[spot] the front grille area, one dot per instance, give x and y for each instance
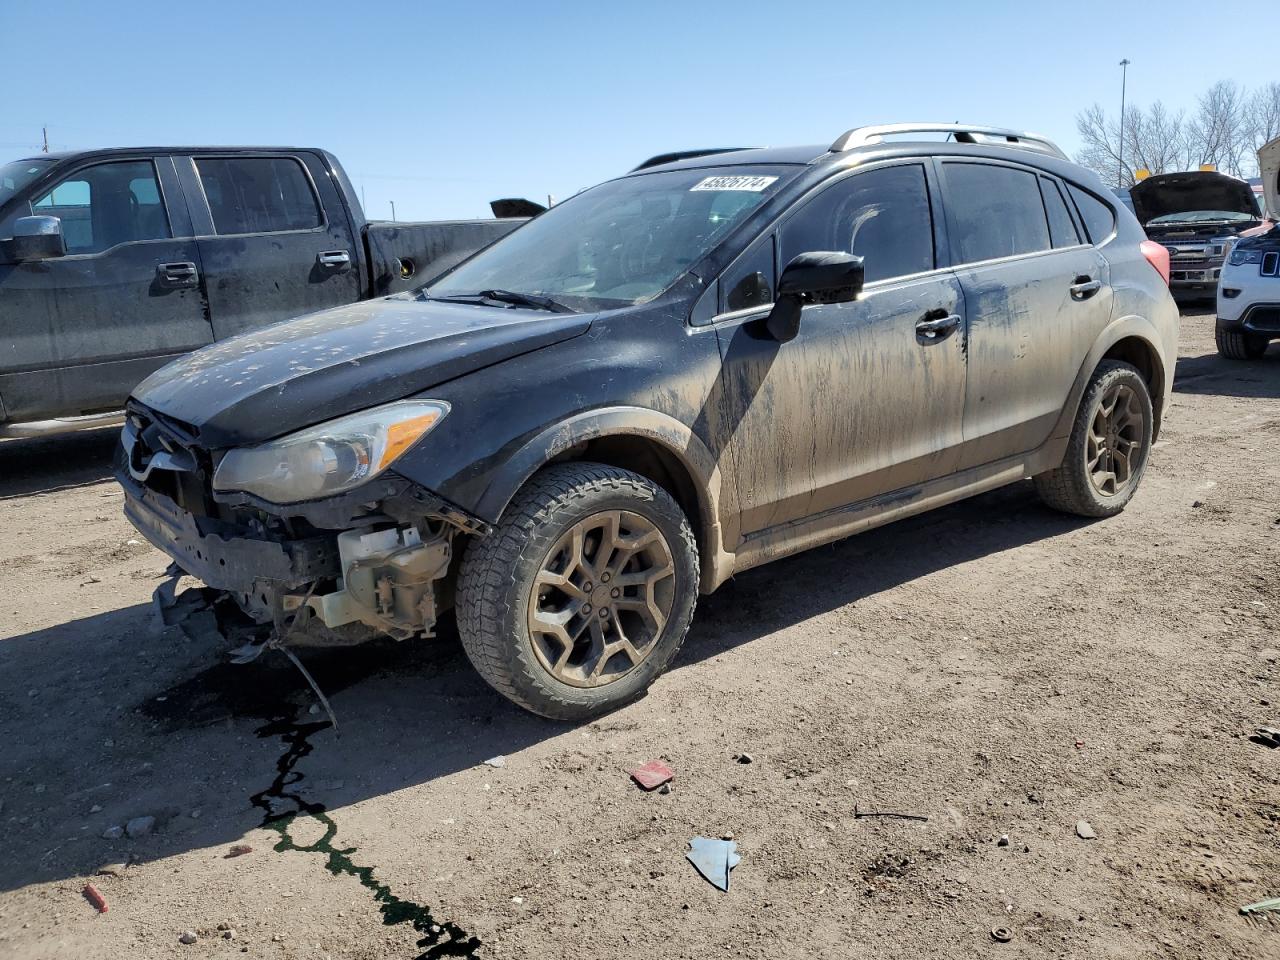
(1270, 264)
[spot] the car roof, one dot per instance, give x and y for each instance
(108, 152)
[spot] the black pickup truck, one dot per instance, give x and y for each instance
(114, 262)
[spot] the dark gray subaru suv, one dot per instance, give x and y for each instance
(699, 367)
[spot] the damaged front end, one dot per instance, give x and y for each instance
(374, 561)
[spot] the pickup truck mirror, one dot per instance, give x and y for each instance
(36, 238)
(818, 277)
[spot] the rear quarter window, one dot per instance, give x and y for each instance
(1099, 218)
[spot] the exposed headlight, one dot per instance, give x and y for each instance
(1246, 255)
(331, 458)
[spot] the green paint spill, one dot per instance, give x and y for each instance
(438, 939)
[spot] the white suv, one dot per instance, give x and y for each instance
(1249, 291)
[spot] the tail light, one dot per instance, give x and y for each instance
(1158, 256)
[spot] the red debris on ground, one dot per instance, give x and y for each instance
(652, 775)
(97, 899)
(239, 850)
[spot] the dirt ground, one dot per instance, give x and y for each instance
(994, 667)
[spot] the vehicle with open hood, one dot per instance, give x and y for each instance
(707, 364)
(1249, 293)
(1195, 215)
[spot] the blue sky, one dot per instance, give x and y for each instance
(442, 107)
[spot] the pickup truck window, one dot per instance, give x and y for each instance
(107, 204)
(621, 243)
(258, 194)
(14, 176)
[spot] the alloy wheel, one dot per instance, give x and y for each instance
(1115, 443)
(601, 598)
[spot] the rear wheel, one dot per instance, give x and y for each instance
(583, 594)
(1240, 346)
(1107, 452)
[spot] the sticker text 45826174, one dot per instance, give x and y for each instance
(749, 184)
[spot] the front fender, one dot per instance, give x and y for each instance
(660, 428)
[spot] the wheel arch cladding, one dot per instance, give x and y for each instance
(1133, 340)
(646, 442)
(1142, 355)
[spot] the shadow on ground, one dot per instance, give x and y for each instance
(47, 464)
(1216, 375)
(106, 712)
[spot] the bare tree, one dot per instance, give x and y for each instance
(1154, 140)
(1264, 114)
(1219, 133)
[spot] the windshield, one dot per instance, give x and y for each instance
(1204, 216)
(14, 176)
(621, 243)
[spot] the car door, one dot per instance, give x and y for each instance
(1034, 288)
(274, 237)
(868, 397)
(79, 332)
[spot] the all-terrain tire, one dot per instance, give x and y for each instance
(496, 580)
(1070, 488)
(1239, 346)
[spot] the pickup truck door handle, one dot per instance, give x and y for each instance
(1085, 287)
(936, 325)
(180, 274)
(334, 259)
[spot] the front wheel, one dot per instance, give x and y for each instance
(583, 593)
(1240, 346)
(1107, 452)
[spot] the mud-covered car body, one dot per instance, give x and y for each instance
(928, 387)
(1195, 215)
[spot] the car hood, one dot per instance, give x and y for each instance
(290, 375)
(1168, 193)
(1269, 167)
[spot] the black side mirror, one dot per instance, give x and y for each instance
(818, 277)
(36, 238)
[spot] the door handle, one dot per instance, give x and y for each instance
(334, 259)
(1085, 287)
(179, 274)
(936, 325)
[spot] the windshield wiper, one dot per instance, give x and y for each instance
(525, 300)
(503, 296)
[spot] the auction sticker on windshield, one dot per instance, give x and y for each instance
(750, 184)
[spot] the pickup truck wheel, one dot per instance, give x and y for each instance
(582, 595)
(1239, 346)
(1107, 452)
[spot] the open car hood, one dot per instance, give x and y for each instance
(1269, 166)
(290, 375)
(1168, 193)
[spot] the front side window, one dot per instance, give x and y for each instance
(258, 194)
(621, 243)
(105, 205)
(997, 212)
(882, 216)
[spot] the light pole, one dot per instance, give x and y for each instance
(393, 211)
(1124, 76)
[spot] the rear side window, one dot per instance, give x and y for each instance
(1062, 229)
(997, 212)
(1099, 219)
(882, 216)
(258, 194)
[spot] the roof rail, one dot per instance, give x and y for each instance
(961, 132)
(662, 158)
